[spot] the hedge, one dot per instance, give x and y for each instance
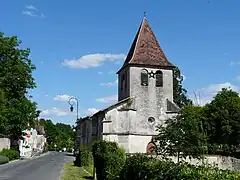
(140, 167)
(109, 160)
(11, 154)
(3, 159)
(83, 158)
(111, 164)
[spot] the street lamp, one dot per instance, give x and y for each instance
(71, 102)
(74, 128)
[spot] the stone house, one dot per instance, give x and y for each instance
(145, 98)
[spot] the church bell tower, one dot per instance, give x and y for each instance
(147, 77)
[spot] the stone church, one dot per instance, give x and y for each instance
(145, 98)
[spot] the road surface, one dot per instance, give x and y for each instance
(46, 167)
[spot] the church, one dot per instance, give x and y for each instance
(145, 98)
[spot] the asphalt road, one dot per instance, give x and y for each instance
(46, 167)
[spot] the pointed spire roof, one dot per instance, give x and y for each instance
(145, 49)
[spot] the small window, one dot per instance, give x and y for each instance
(144, 77)
(159, 79)
(151, 120)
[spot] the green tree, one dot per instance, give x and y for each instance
(65, 128)
(3, 119)
(183, 135)
(179, 93)
(15, 81)
(50, 133)
(222, 115)
(60, 134)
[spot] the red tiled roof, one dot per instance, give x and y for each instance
(145, 49)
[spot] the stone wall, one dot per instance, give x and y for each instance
(4, 143)
(150, 101)
(222, 162)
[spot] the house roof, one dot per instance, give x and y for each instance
(145, 49)
(104, 110)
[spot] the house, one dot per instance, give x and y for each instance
(145, 98)
(32, 142)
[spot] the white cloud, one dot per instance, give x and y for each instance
(63, 97)
(92, 111)
(238, 78)
(53, 112)
(92, 60)
(109, 84)
(206, 94)
(233, 63)
(29, 13)
(184, 77)
(108, 100)
(100, 73)
(32, 11)
(31, 7)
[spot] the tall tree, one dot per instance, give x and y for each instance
(179, 93)
(15, 80)
(223, 117)
(60, 134)
(3, 119)
(51, 132)
(183, 135)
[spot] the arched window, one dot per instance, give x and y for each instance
(151, 148)
(159, 78)
(144, 77)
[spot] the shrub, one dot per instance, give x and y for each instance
(109, 160)
(83, 157)
(139, 167)
(3, 159)
(10, 153)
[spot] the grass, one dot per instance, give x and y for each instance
(71, 172)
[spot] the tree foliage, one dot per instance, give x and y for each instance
(17, 110)
(223, 117)
(184, 134)
(195, 131)
(60, 134)
(179, 93)
(2, 109)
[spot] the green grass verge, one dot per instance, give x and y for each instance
(71, 172)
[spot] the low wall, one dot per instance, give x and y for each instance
(4, 143)
(222, 162)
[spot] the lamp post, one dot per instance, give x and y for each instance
(72, 103)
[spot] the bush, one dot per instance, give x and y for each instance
(11, 154)
(83, 157)
(109, 160)
(3, 159)
(139, 167)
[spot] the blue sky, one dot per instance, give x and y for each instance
(201, 37)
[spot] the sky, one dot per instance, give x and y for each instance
(77, 46)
